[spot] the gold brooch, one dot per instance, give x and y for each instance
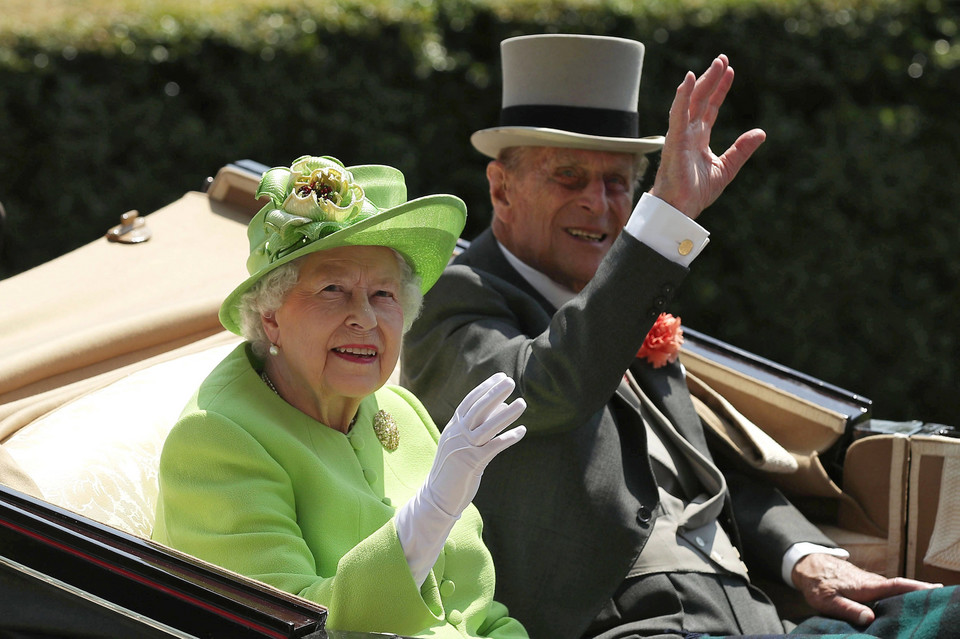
(385, 426)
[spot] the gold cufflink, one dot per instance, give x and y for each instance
(685, 247)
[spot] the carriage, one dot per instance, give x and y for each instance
(101, 348)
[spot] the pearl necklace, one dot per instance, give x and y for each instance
(266, 380)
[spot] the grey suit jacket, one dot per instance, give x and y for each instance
(568, 509)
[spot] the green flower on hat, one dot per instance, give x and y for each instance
(313, 198)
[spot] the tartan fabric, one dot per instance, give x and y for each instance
(923, 614)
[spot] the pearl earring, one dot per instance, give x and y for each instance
(274, 350)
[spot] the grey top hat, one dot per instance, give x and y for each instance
(573, 91)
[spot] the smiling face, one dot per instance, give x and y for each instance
(338, 331)
(559, 210)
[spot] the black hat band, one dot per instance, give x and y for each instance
(610, 123)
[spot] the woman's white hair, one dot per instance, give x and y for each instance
(267, 295)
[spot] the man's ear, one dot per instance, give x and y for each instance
(499, 192)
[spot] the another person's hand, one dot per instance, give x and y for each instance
(690, 176)
(837, 588)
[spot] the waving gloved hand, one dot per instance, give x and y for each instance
(472, 438)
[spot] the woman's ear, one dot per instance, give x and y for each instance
(270, 326)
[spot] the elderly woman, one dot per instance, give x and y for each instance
(294, 464)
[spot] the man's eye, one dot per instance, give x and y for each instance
(568, 177)
(331, 288)
(389, 294)
(617, 184)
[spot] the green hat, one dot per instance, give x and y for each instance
(319, 204)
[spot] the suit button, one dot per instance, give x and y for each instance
(455, 617)
(660, 302)
(668, 289)
(370, 475)
(643, 515)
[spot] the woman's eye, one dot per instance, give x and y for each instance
(385, 294)
(331, 288)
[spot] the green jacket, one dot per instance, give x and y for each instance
(250, 483)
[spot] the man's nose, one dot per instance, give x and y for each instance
(594, 196)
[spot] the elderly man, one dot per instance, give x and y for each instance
(610, 519)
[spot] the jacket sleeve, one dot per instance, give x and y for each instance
(495, 620)
(567, 364)
(768, 523)
(224, 499)
(499, 625)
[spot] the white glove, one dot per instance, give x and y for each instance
(470, 440)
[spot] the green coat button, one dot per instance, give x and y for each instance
(447, 588)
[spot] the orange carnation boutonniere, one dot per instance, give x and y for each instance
(663, 342)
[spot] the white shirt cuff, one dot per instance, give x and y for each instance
(800, 550)
(666, 230)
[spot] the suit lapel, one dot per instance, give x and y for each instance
(666, 386)
(667, 389)
(484, 254)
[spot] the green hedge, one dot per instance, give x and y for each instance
(835, 251)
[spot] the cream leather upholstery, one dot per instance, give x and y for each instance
(97, 455)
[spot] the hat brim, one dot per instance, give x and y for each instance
(424, 231)
(491, 141)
